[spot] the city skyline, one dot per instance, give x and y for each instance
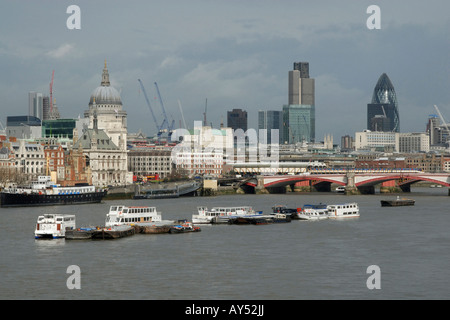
(234, 54)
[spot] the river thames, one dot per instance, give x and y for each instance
(326, 259)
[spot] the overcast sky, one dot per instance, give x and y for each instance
(236, 54)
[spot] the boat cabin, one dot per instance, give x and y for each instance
(119, 215)
(53, 225)
(346, 210)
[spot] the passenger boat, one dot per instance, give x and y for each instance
(313, 212)
(398, 202)
(44, 192)
(123, 215)
(220, 214)
(53, 226)
(340, 189)
(184, 226)
(345, 210)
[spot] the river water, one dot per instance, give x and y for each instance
(299, 260)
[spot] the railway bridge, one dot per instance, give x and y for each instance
(353, 181)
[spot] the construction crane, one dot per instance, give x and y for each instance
(204, 113)
(169, 127)
(51, 93)
(443, 122)
(182, 115)
(159, 127)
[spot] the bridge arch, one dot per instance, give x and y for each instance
(412, 178)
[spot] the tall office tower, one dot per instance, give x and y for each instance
(301, 86)
(35, 104)
(382, 112)
(45, 108)
(269, 120)
(237, 119)
(299, 119)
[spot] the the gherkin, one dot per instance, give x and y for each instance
(382, 112)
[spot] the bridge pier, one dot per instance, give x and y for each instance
(302, 186)
(260, 189)
(391, 187)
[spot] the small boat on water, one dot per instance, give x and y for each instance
(221, 214)
(288, 211)
(53, 226)
(345, 210)
(398, 202)
(184, 226)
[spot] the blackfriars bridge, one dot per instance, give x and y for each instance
(354, 181)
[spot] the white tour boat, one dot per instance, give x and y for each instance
(313, 212)
(345, 210)
(53, 226)
(123, 215)
(221, 214)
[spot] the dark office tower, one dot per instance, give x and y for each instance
(382, 112)
(45, 108)
(237, 119)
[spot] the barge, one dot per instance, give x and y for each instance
(398, 202)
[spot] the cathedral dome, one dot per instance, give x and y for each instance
(105, 94)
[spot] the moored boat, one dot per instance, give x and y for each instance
(124, 215)
(53, 226)
(44, 192)
(345, 210)
(313, 212)
(184, 226)
(80, 233)
(221, 214)
(261, 219)
(398, 202)
(284, 209)
(113, 232)
(152, 229)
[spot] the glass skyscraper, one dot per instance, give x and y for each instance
(382, 112)
(270, 120)
(299, 123)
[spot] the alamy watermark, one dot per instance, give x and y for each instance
(74, 20)
(236, 146)
(374, 21)
(74, 280)
(374, 280)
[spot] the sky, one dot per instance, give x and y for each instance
(232, 54)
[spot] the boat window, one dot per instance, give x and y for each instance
(113, 208)
(125, 210)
